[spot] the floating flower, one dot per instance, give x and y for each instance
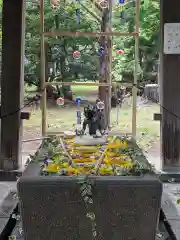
(72, 171)
(52, 168)
(84, 160)
(117, 144)
(127, 164)
(106, 171)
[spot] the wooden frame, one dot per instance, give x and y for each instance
(136, 67)
(89, 34)
(43, 70)
(79, 84)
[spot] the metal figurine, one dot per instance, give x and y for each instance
(94, 118)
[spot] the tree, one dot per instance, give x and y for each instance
(59, 51)
(123, 66)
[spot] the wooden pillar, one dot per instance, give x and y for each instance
(12, 84)
(170, 92)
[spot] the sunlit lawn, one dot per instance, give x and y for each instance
(64, 118)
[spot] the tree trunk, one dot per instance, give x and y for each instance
(105, 92)
(102, 90)
(66, 90)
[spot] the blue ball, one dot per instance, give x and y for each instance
(78, 100)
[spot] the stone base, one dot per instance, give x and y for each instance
(52, 207)
(164, 231)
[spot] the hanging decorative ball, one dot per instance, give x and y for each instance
(101, 51)
(78, 18)
(78, 100)
(60, 101)
(122, 2)
(120, 51)
(54, 3)
(76, 54)
(100, 105)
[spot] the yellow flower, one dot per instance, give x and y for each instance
(72, 171)
(117, 144)
(111, 154)
(64, 165)
(107, 159)
(127, 164)
(83, 170)
(84, 160)
(52, 168)
(117, 161)
(105, 171)
(86, 154)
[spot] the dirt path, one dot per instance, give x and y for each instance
(31, 146)
(153, 155)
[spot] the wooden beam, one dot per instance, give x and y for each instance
(25, 115)
(136, 69)
(78, 84)
(12, 83)
(88, 34)
(157, 117)
(43, 69)
(169, 92)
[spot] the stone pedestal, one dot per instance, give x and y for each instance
(124, 207)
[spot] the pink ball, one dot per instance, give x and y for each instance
(60, 101)
(121, 51)
(76, 54)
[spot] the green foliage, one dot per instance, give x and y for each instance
(148, 41)
(59, 50)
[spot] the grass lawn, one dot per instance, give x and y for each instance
(64, 118)
(78, 90)
(84, 90)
